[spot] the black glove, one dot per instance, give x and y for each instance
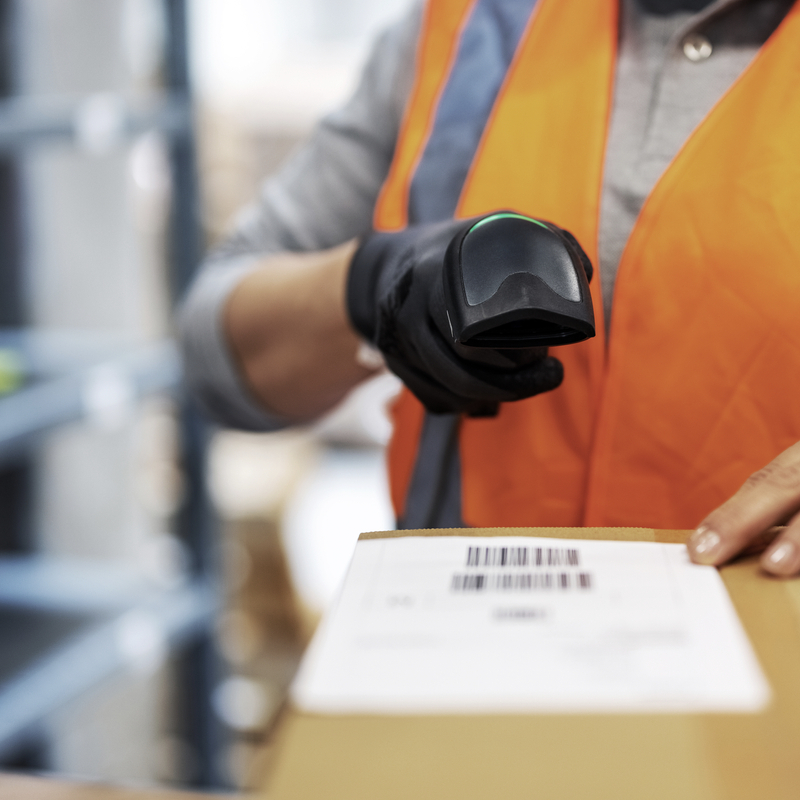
(396, 300)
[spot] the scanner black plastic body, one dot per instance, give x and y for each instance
(514, 282)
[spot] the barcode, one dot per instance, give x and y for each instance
(521, 581)
(522, 557)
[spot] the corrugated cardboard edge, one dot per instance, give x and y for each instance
(615, 534)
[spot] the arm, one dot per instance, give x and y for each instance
(249, 327)
(769, 497)
(288, 330)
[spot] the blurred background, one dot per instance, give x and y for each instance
(159, 579)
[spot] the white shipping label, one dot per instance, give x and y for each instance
(521, 624)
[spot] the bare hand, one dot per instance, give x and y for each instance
(746, 522)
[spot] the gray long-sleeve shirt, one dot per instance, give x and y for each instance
(671, 70)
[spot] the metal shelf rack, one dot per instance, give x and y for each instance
(69, 377)
(75, 623)
(67, 624)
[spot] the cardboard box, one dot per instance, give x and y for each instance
(567, 757)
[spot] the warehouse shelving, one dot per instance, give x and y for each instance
(69, 377)
(38, 120)
(68, 623)
(74, 623)
(64, 620)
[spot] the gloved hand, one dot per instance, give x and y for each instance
(396, 300)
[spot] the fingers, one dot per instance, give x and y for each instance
(463, 379)
(544, 376)
(783, 556)
(436, 397)
(762, 541)
(767, 498)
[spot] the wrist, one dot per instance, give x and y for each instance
(361, 283)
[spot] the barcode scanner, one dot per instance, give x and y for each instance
(513, 282)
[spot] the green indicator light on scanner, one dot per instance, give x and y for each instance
(505, 215)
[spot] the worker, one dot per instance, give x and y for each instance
(662, 136)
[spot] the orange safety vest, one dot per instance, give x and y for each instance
(698, 384)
